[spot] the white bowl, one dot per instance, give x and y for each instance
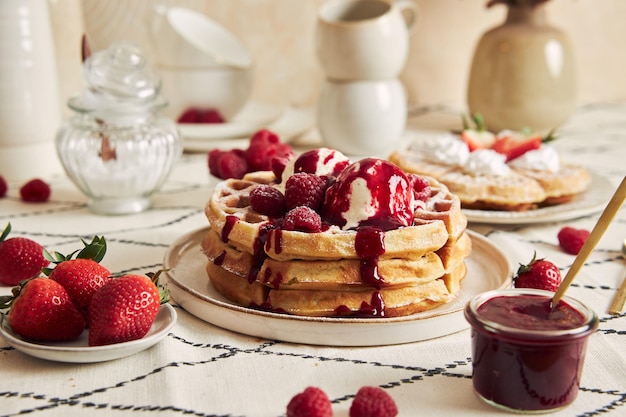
(362, 117)
(184, 38)
(224, 89)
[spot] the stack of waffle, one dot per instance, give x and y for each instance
(253, 262)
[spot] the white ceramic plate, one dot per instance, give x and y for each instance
(488, 269)
(291, 123)
(78, 351)
(591, 201)
(252, 117)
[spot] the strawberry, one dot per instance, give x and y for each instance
(477, 137)
(539, 274)
(199, 115)
(82, 276)
(123, 309)
(20, 258)
(515, 144)
(572, 240)
(41, 310)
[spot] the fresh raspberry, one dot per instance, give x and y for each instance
(3, 187)
(189, 116)
(572, 240)
(312, 402)
(211, 116)
(264, 146)
(35, 191)
(373, 402)
(303, 219)
(421, 187)
(267, 200)
(227, 164)
(303, 189)
(197, 115)
(212, 158)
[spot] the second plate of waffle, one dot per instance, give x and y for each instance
(487, 268)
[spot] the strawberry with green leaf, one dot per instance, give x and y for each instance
(20, 258)
(40, 309)
(124, 309)
(539, 274)
(477, 136)
(80, 272)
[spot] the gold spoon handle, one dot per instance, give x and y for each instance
(607, 215)
(617, 306)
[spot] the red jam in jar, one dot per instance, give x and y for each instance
(527, 357)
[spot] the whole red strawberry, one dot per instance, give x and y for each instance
(41, 310)
(123, 309)
(572, 240)
(20, 258)
(539, 274)
(312, 402)
(82, 276)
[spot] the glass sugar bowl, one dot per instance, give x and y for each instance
(116, 148)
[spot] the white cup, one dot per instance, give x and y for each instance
(223, 89)
(364, 39)
(185, 38)
(362, 117)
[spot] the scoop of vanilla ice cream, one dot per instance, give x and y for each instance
(320, 161)
(372, 192)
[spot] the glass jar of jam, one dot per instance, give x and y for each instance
(526, 356)
(117, 149)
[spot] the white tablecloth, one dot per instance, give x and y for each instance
(203, 370)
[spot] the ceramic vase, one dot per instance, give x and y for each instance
(523, 72)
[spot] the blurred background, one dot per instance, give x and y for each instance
(280, 34)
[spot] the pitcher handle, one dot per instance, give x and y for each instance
(410, 12)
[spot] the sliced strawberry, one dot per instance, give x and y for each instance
(478, 139)
(515, 144)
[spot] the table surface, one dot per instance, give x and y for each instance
(203, 370)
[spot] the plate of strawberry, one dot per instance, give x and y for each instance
(70, 308)
(79, 351)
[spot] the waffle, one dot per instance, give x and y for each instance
(561, 186)
(228, 212)
(343, 274)
(390, 301)
(519, 190)
(254, 263)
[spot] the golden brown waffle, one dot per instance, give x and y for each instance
(229, 214)
(359, 301)
(518, 191)
(561, 186)
(335, 275)
(254, 263)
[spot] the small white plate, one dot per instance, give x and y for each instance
(593, 200)
(78, 351)
(252, 117)
(291, 123)
(187, 281)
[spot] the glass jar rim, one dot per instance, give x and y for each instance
(477, 321)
